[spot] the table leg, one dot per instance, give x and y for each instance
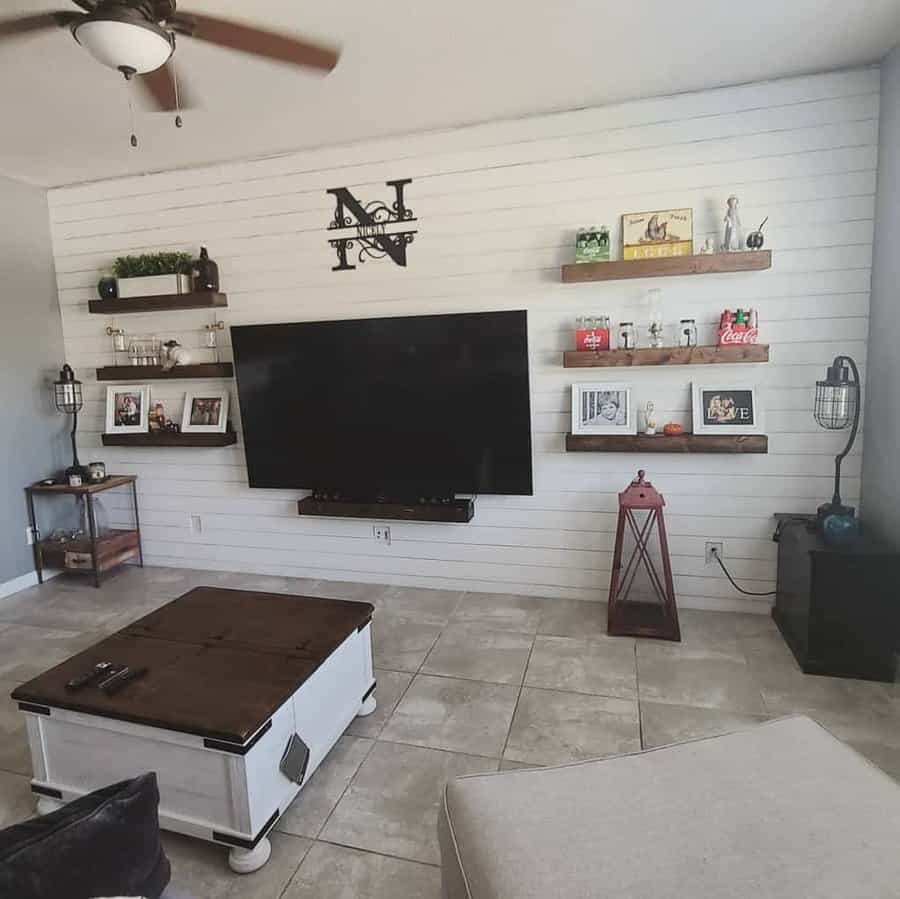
(92, 527)
(137, 523)
(36, 537)
(246, 861)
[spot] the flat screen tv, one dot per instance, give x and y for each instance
(388, 408)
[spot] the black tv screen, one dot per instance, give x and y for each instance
(394, 408)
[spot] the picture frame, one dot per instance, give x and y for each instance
(726, 409)
(658, 234)
(127, 408)
(205, 413)
(603, 408)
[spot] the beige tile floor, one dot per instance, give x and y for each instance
(466, 683)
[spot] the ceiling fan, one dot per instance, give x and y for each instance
(137, 37)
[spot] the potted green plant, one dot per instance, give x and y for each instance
(153, 274)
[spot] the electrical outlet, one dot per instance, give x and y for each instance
(29, 536)
(714, 548)
(196, 524)
(382, 533)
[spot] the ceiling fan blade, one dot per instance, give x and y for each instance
(257, 41)
(41, 22)
(159, 86)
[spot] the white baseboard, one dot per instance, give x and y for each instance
(8, 588)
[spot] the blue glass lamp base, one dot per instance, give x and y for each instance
(837, 523)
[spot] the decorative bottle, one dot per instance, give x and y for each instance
(206, 273)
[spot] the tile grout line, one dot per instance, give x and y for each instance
(294, 873)
(518, 697)
(344, 791)
(637, 693)
(399, 858)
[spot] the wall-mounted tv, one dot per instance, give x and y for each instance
(395, 408)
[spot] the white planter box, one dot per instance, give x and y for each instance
(153, 286)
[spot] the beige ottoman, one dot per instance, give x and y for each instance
(782, 811)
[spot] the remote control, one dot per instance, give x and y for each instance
(120, 679)
(94, 674)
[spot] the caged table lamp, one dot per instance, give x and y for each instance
(837, 408)
(69, 399)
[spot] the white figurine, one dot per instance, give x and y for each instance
(650, 417)
(174, 354)
(707, 249)
(734, 235)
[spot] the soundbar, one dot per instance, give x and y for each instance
(457, 510)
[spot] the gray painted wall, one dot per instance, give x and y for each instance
(32, 436)
(881, 471)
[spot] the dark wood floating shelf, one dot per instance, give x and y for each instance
(674, 355)
(682, 443)
(166, 438)
(118, 306)
(459, 511)
(748, 261)
(157, 373)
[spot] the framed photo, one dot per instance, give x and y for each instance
(205, 413)
(659, 234)
(726, 409)
(603, 409)
(127, 409)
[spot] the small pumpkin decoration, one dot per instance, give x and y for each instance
(755, 239)
(672, 429)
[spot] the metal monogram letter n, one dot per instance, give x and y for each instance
(370, 223)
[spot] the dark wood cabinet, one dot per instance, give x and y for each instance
(838, 607)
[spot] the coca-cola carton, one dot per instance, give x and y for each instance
(738, 328)
(592, 339)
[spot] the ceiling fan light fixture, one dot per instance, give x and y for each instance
(138, 47)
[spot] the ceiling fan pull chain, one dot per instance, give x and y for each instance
(178, 121)
(134, 140)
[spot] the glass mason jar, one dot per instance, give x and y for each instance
(627, 336)
(687, 332)
(101, 517)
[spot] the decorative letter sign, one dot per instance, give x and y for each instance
(368, 225)
(652, 611)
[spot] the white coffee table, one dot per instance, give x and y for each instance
(233, 678)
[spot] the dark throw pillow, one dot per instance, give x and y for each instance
(104, 844)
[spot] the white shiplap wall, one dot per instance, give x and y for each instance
(497, 207)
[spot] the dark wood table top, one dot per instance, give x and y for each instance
(220, 661)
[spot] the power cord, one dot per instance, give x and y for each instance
(715, 554)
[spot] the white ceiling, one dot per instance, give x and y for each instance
(408, 65)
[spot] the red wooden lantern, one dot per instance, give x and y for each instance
(652, 611)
